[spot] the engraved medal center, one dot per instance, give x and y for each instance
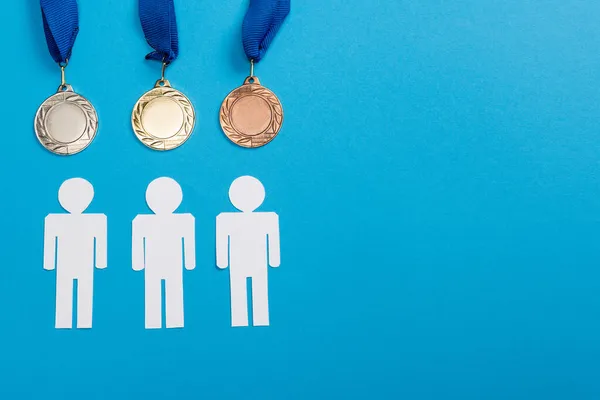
(251, 115)
(66, 122)
(162, 118)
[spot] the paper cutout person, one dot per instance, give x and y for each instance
(69, 241)
(157, 249)
(244, 242)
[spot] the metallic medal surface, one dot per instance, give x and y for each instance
(251, 115)
(66, 123)
(163, 118)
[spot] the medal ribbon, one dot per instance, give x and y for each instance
(261, 23)
(160, 28)
(61, 25)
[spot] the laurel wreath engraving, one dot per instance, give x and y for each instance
(174, 141)
(66, 148)
(240, 138)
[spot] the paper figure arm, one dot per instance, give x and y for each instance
(49, 243)
(222, 242)
(189, 244)
(137, 246)
(101, 240)
(274, 251)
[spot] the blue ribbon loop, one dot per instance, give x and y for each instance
(261, 23)
(61, 26)
(160, 28)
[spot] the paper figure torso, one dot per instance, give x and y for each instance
(248, 239)
(76, 235)
(163, 236)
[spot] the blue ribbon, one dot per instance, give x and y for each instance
(160, 28)
(61, 25)
(261, 23)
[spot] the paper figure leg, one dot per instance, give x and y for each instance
(174, 302)
(85, 296)
(153, 303)
(64, 302)
(239, 301)
(260, 300)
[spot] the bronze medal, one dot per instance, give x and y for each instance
(251, 115)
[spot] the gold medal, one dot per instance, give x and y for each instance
(66, 122)
(163, 118)
(251, 115)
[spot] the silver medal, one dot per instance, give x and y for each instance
(66, 122)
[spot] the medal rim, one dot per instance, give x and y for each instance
(155, 142)
(225, 113)
(41, 132)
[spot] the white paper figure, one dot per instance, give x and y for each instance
(244, 242)
(69, 241)
(157, 248)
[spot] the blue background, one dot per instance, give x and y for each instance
(437, 182)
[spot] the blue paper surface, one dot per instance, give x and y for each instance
(436, 179)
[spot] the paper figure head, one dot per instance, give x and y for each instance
(164, 195)
(247, 193)
(75, 195)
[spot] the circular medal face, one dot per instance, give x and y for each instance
(163, 118)
(251, 115)
(66, 123)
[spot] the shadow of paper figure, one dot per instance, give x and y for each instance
(69, 248)
(247, 242)
(157, 249)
